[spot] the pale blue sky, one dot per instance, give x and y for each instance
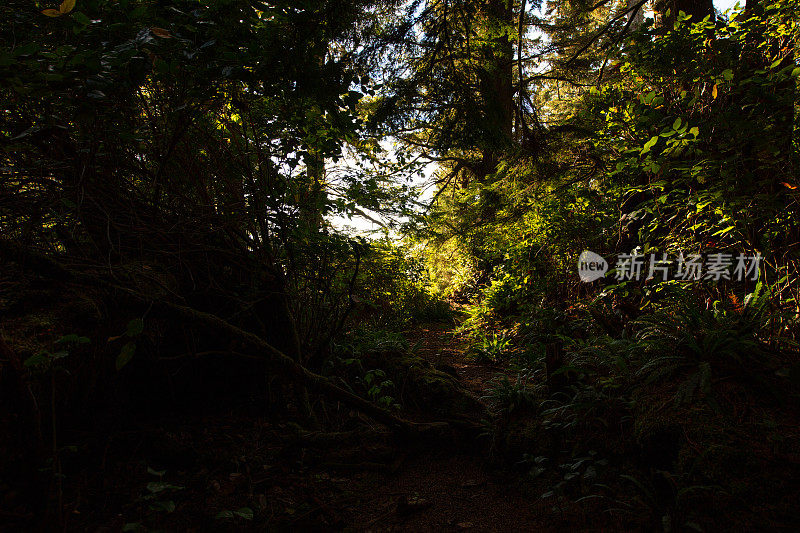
(724, 5)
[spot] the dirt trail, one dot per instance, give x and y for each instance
(449, 492)
(438, 343)
(443, 490)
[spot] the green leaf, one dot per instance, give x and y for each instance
(166, 506)
(677, 124)
(727, 74)
(36, 360)
(154, 487)
(125, 355)
(81, 18)
(244, 512)
(61, 354)
(135, 327)
(724, 231)
(649, 144)
(27, 49)
(73, 339)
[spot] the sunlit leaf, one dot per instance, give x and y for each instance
(649, 144)
(52, 12)
(66, 6)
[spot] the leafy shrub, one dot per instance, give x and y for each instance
(689, 342)
(506, 396)
(365, 339)
(492, 348)
(396, 287)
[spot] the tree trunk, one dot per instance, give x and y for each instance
(496, 82)
(666, 11)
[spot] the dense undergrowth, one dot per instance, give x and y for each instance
(169, 175)
(670, 399)
(684, 407)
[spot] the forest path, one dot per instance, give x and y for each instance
(447, 489)
(438, 343)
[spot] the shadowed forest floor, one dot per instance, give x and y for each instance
(236, 468)
(230, 461)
